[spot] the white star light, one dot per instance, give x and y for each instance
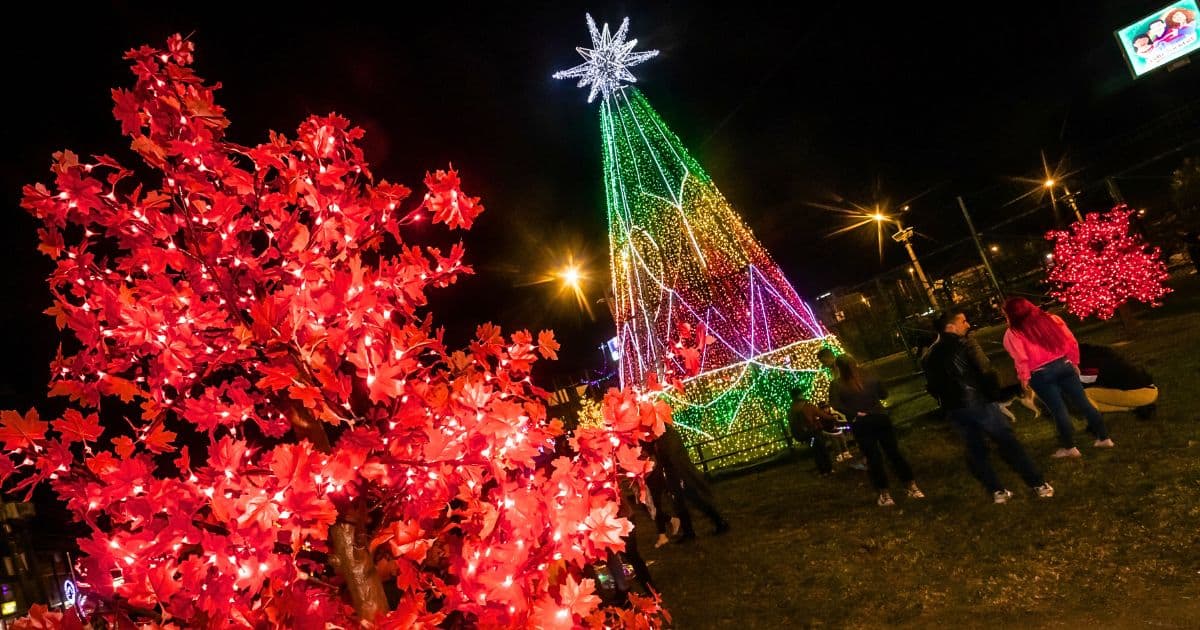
(607, 63)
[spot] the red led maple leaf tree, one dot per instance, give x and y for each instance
(1100, 265)
(287, 440)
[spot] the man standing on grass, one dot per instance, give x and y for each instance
(961, 377)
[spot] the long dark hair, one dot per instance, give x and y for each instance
(1033, 323)
(848, 372)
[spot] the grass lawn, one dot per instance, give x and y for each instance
(1117, 547)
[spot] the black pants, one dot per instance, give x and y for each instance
(820, 449)
(656, 485)
(877, 438)
(683, 495)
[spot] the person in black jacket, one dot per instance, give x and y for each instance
(686, 484)
(960, 377)
(859, 397)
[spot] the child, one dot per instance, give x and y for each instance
(806, 422)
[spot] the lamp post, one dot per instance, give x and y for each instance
(1050, 183)
(904, 236)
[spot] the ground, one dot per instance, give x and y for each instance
(1118, 545)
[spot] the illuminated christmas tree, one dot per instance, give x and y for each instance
(685, 266)
(1099, 265)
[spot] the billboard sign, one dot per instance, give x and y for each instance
(1161, 37)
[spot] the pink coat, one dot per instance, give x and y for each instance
(1029, 356)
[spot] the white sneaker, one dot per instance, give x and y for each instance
(1105, 443)
(1070, 453)
(914, 492)
(885, 500)
(1044, 491)
(1001, 496)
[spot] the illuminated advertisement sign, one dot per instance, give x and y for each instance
(1160, 38)
(614, 348)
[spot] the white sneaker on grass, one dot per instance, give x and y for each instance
(1001, 496)
(1105, 443)
(1044, 491)
(885, 500)
(1069, 453)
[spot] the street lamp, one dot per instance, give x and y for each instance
(904, 236)
(570, 277)
(865, 216)
(1050, 184)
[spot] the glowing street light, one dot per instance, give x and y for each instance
(570, 277)
(1051, 179)
(1051, 183)
(865, 216)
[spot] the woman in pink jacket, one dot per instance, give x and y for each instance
(1047, 359)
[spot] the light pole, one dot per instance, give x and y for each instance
(1050, 183)
(904, 236)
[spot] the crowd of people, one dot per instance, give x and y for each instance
(1050, 365)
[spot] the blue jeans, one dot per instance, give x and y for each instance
(1057, 383)
(978, 423)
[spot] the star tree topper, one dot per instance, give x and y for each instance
(607, 63)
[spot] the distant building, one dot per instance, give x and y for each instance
(28, 575)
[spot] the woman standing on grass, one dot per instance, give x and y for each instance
(859, 397)
(1047, 359)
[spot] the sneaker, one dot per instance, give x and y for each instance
(1105, 443)
(1070, 453)
(1001, 496)
(673, 527)
(663, 539)
(914, 492)
(885, 500)
(1044, 491)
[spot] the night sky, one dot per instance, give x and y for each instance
(784, 104)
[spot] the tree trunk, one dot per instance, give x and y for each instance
(306, 427)
(1128, 322)
(352, 559)
(348, 540)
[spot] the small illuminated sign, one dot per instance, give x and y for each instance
(70, 593)
(8, 608)
(614, 349)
